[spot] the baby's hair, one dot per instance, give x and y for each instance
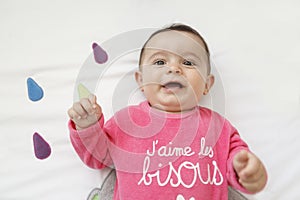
(178, 27)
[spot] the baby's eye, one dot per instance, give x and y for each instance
(188, 63)
(159, 62)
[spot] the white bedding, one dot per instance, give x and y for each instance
(255, 49)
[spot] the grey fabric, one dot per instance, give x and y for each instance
(107, 189)
(235, 195)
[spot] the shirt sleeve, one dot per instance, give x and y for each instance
(236, 145)
(91, 144)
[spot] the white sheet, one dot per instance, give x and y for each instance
(255, 47)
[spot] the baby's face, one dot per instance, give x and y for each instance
(174, 71)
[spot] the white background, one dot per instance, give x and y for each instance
(255, 47)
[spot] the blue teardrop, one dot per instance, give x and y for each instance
(35, 92)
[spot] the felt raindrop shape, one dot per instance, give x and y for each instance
(42, 149)
(83, 92)
(100, 54)
(35, 92)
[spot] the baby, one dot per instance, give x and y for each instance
(168, 147)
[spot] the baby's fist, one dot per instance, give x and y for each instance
(250, 170)
(85, 112)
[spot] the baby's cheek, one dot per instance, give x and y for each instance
(198, 87)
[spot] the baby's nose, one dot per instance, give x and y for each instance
(174, 69)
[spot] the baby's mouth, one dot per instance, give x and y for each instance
(172, 85)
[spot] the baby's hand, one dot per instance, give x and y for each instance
(85, 112)
(250, 170)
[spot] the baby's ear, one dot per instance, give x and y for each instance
(210, 79)
(139, 79)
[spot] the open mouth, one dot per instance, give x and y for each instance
(173, 85)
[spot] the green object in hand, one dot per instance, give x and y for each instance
(83, 92)
(95, 197)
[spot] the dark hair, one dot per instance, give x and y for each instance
(178, 27)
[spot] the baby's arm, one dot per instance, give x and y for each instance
(85, 112)
(250, 170)
(87, 134)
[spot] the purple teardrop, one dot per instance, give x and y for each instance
(42, 149)
(100, 54)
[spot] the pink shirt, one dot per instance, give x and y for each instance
(161, 155)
